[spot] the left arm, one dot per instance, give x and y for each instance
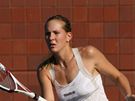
(105, 67)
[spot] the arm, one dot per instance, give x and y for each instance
(46, 84)
(103, 66)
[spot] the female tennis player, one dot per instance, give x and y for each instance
(74, 74)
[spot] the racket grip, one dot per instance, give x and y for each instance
(41, 99)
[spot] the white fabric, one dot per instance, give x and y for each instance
(84, 87)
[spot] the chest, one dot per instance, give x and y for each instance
(67, 75)
(81, 86)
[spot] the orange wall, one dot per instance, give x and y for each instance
(107, 24)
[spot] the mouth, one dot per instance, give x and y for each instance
(52, 45)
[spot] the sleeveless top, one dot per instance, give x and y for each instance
(84, 86)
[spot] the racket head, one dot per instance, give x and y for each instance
(2, 68)
(9, 84)
(6, 81)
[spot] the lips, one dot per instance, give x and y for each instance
(52, 45)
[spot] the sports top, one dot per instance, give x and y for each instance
(84, 87)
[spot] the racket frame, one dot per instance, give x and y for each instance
(25, 90)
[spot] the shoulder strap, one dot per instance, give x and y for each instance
(80, 64)
(82, 67)
(52, 72)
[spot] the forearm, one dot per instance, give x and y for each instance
(123, 84)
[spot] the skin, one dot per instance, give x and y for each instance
(58, 41)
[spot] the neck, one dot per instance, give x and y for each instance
(64, 57)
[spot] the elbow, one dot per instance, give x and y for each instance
(121, 79)
(118, 78)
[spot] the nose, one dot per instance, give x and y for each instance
(52, 36)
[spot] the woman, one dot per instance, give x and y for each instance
(73, 74)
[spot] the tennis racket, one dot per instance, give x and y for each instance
(10, 84)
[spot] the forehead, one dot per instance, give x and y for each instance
(55, 24)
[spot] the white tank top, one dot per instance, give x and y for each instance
(84, 87)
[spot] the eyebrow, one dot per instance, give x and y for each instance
(55, 31)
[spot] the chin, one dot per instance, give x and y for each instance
(54, 50)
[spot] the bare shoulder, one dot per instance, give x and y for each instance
(88, 51)
(44, 67)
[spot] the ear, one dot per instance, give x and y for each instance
(69, 36)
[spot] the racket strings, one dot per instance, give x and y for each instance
(6, 81)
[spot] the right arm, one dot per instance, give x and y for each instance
(46, 84)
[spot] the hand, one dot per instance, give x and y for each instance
(130, 98)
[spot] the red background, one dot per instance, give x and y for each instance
(109, 25)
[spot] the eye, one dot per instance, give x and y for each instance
(47, 33)
(56, 32)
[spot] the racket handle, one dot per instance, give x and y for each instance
(41, 99)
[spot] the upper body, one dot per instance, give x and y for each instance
(58, 36)
(75, 90)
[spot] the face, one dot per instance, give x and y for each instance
(56, 37)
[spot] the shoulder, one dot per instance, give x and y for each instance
(43, 70)
(88, 51)
(45, 66)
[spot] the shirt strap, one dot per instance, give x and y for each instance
(52, 72)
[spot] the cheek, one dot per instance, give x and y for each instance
(62, 38)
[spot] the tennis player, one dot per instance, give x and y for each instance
(74, 74)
